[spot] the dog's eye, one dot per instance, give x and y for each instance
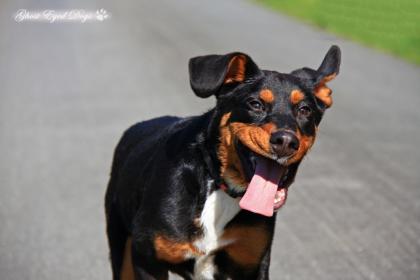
(255, 105)
(304, 111)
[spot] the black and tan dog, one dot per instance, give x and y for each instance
(196, 195)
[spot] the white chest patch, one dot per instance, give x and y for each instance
(218, 210)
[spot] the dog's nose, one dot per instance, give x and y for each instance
(284, 143)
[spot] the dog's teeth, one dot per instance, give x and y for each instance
(276, 198)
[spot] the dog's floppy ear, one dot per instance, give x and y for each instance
(208, 73)
(327, 71)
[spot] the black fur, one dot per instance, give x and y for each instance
(161, 167)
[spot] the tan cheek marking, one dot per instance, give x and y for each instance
(225, 118)
(249, 244)
(296, 96)
(267, 96)
(230, 165)
(236, 69)
(305, 143)
(172, 251)
(255, 138)
(269, 127)
(127, 271)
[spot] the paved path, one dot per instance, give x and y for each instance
(67, 91)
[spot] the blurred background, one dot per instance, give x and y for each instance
(69, 90)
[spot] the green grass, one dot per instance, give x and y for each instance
(389, 25)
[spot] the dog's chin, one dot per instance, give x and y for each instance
(249, 159)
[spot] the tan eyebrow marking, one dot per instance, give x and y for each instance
(296, 96)
(267, 96)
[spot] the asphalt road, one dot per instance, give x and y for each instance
(67, 91)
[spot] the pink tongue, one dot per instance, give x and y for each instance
(261, 191)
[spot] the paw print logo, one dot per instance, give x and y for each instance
(102, 15)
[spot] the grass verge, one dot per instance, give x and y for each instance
(390, 25)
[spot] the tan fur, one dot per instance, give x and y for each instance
(296, 96)
(173, 251)
(269, 127)
(249, 244)
(323, 93)
(236, 69)
(329, 78)
(267, 96)
(305, 143)
(255, 138)
(127, 271)
(230, 163)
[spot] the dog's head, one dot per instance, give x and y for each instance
(267, 120)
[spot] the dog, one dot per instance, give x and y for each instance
(198, 196)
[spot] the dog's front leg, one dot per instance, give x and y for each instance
(263, 271)
(145, 266)
(142, 274)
